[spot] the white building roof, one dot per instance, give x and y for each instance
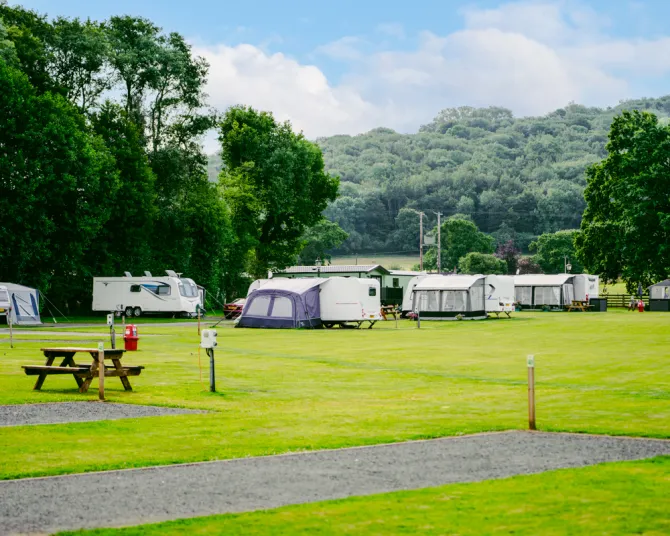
(448, 282)
(541, 280)
(299, 284)
(333, 269)
(406, 272)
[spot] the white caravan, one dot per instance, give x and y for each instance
(499, 294)
(350, 299)
(5, 304)
(586, 286)
(147, 294)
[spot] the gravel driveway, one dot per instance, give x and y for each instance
(65, 412)
(119, 498)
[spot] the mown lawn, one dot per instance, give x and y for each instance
(612, 499)
(283, 391)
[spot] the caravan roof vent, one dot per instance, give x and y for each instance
(147, 273)
(127, 274)
(171, 273)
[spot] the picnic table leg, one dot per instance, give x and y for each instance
(124, 378)
(69, 362)
(92, 374)
(43, 376)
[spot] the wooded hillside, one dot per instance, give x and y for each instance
(515, 177)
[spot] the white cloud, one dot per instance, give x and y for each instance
(245, 74)
(392, 29)
(531, 57)
(345, 48)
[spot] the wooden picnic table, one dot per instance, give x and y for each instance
(389, 310)
(579, 305)
(83, 374)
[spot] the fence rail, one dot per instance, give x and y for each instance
(623, 300)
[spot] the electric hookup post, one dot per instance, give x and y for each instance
(112, 331)
(208, 342)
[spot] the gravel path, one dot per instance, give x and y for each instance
(118, 498)
(65, 412)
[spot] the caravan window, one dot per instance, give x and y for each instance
(188, 288)
(160, 289)
(372, 291)
(259, 306)
(282, 307)
(135, 288)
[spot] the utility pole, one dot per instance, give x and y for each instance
(439, 243)
(421, 241)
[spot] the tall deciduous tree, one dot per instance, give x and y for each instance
(55, 178)
(554, 250)
(79, 52)
(626, 225)
(275, 184)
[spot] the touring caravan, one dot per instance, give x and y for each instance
(348, 299)
(499, 294)
(312, 302)
(136, 296)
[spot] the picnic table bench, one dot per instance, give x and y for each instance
(578, 305)
(83, 374)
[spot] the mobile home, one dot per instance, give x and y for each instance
(450, 297)
(312, 303)
(135, 296)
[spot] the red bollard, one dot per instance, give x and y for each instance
(640, 306)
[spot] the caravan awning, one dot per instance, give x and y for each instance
(448, 282)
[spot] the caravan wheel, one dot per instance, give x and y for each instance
(128, 311)
(137, 311)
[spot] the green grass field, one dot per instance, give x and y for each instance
(613, 499)
(287, 391)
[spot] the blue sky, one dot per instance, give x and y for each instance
(348, 66)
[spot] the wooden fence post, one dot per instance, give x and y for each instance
(531, 392)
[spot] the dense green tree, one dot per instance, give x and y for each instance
(459, 237)
(126, 242)
(79, 52)
(275, 184)
(319, 240)
(553, 250)
(55, 179)
(7, 48)
(481, 263)
(626, 226)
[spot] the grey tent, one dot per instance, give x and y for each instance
(25, 304)
(283, 303)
